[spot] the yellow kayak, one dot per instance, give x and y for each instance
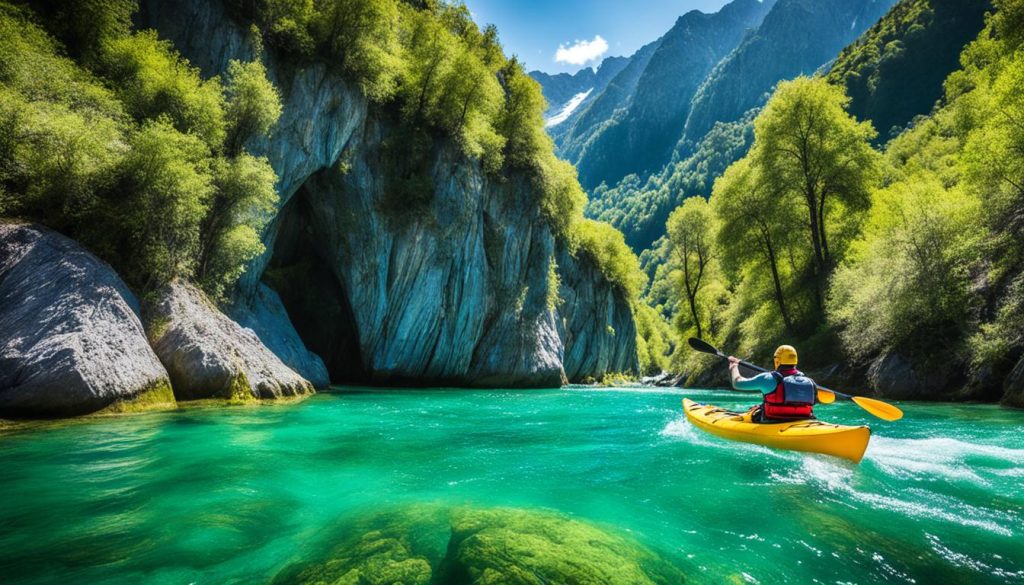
(803, 435)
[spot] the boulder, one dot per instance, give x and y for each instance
(71, 341)
(895, 375)
(520, 547)
(210, 356)
(427, 543)
(267, 317)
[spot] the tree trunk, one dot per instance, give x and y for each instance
(776, 280)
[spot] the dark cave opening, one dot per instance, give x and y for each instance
(314, 297)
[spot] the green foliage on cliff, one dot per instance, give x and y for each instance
(606, 246)
(445, 76)
(150, 174)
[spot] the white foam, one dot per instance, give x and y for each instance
(838, 478)
(942, 459)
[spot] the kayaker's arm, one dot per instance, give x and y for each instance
(761, 383)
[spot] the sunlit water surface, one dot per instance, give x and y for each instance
(235, 494)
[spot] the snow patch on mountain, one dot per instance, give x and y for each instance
(567, 110)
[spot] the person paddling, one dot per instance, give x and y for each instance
(788, 393)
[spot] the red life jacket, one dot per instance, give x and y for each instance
(778, 405)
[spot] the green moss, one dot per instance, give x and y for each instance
(156, 327)
(391, 546)
(554, 284)
(429, 544)
(157, 396)
(617, 379)
(511, 547)
(239, 391)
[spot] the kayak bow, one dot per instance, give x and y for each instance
(811, 436)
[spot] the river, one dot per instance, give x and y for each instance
(215, 495)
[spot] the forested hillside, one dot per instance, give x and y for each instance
(795, 37)
(906, 263)
(639, 207)
(895, 70)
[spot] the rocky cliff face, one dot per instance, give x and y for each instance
(443, 279)
(70, 337)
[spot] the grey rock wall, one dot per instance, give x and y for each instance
(71, 341)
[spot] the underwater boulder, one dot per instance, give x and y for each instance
(513, 547)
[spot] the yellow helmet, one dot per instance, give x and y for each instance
(785, 355)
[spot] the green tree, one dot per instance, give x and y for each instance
(811, 154)
(907, 281)
(243, 201)
(152, 80)
(754, 231)
(521, 120)
(429, 56)
(84, 25)
(690, 230)
(167, 185)
(362, 35)
(252, 104)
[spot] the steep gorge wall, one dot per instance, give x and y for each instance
(444, 283)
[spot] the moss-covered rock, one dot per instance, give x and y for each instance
(392, 546)
(375, 558)
(511, 547)
(158, 396)
(428, 544)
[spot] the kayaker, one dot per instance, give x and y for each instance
(788, 393)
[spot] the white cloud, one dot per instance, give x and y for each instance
(581, 52)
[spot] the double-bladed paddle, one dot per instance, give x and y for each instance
(882, 410)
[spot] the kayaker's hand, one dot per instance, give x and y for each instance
(734, 362)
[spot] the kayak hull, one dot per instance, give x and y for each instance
(811, 436)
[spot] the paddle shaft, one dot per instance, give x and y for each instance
(705, 347)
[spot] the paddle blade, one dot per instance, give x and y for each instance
(882, 410)
(826, 396)
(703, 346)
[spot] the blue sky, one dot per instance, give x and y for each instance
(535, 29)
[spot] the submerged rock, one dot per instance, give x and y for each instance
(516, 547)
(473, 546)
(71, 341)
(398, 546)
(210, 356)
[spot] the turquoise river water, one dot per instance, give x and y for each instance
(233, 495)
